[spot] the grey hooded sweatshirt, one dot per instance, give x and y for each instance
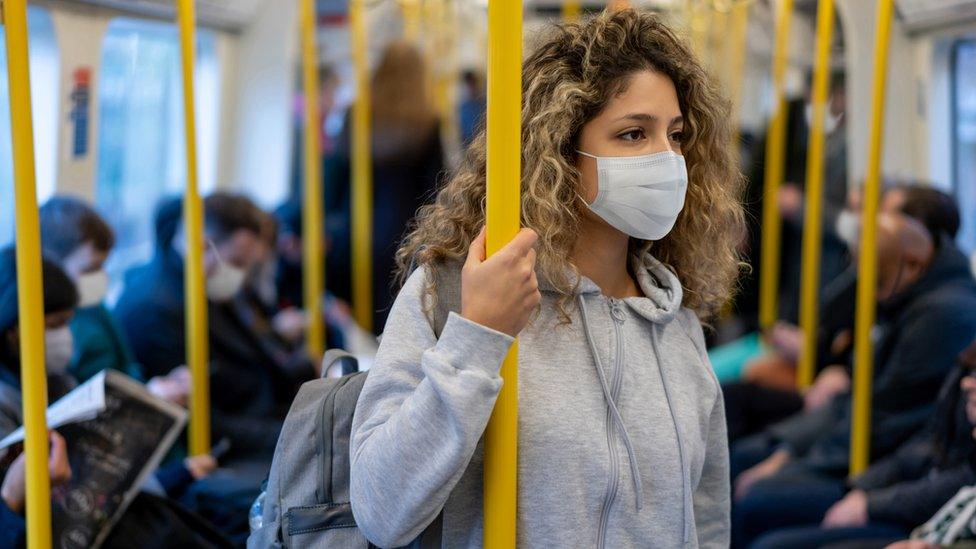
(621, 425)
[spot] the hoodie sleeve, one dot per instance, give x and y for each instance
(418, 420)
(711, 499)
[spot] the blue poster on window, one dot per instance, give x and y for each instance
(80, 99)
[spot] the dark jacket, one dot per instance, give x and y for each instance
(99, 345)
(920, 477)
(406, 165)
(919, 335)
(249, 394)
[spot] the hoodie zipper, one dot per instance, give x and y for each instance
(616, 380)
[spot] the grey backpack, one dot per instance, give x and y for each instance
(306, 501)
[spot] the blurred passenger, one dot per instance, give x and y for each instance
(767, 392)
(280, 333)
(249, 394)
(927, 315)
(60, 300)
(954, 525)
(13, 494)
(328, 84)
(899, 492)
(80, 240)
(790, 203)
(407, 160)
(474, 101)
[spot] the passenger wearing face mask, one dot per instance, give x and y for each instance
(60, 299)
(79, 240)
(767, 392)
(249, 392)
(926, 316)
(631, 215)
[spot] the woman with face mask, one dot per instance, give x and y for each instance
(629, 203)
(60, 300)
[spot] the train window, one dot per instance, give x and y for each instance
(964, 137)
(44, 67)
(141, 156)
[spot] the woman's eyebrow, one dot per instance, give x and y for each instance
(644, 117)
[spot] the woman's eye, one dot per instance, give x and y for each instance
(678, 137)
(632, 135)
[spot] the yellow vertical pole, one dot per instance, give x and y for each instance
(868, 259)
(775, 161)
(572, 10)
(410, 10)
(813, 223)
(197, 352)
(313, 262)
(737, 58)
(30, 291)
(362, 174)
(504, 171)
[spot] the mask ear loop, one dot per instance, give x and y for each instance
(578, 195)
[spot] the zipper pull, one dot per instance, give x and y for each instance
(617, 311)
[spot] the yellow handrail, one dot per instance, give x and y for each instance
(813, 223)
(197, 342)
(410, 11)
(30, 290)
(312, 213)
(775, 151)
(504, 171)
(362, 174)
(737, 58)
(867, 258)
(572, 10)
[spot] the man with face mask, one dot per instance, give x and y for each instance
(926, 316)
(249, 393)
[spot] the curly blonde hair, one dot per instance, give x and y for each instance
(566, 82)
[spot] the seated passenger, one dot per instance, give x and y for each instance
(767, 392)
(898, 493)
(621, 427)
(249, 394)
(281, 333)
(79, 240)
(927, 315)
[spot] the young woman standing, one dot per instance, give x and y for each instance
(629, 199)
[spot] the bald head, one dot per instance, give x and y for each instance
(905, 251)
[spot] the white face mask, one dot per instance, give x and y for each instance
(225, 281)
(92, 288)
(849, 228)
(831, 120)
(640, 196)
(58, 349)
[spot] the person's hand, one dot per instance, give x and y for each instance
(501, 292)
(764, 469)
(850, 512)
(290, 323)
(912, 544)
(790, 200)
(787, 339)
(14, 490)
(173, 387)
(200, 466)
(832, 381)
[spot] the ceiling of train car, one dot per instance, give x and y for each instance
(226, 14)
(927, 14)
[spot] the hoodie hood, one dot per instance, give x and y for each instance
(658, 282)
